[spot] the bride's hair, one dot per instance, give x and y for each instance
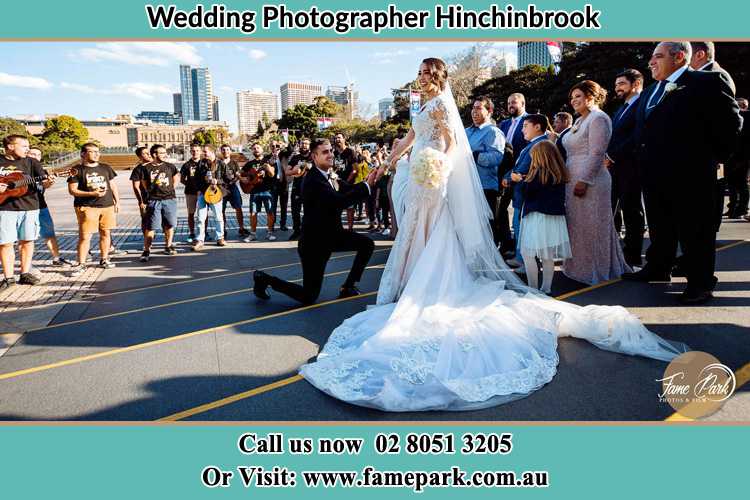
(547, 163)
(438, 71)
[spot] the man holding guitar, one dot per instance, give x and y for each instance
(19, 209)
(258, 179)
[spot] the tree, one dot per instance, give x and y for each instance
(323, 106)
(64, 133)
(301, 118)
(215, 136)
(266, 121)
(9, 126)
(261, 129)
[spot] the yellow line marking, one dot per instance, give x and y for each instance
(204, 278)
(169, 304)
(136, 347)
(231, 399)
(742, 376)
(248, 394)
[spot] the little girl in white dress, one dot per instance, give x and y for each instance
(544, 232)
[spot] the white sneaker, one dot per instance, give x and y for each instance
(78, 270)
(270, 237)
(386, 232)
(250, 238)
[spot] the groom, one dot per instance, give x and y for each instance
(323, 198)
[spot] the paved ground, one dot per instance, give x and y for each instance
(182, 338)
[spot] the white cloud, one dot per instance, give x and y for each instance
(142, 53)
(27, 82)
(385, 61)
(391, 53)
(146, 91)
(256, 54)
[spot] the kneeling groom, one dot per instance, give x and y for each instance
(323, 198)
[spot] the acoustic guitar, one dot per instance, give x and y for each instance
(18, 183)
(252, 178)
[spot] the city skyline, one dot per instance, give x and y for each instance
(94, 80)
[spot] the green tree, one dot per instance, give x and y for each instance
(301, 118)
(9, 126)
(205, 136)
(63, 133)
(261, 129)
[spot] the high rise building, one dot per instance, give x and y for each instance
(161, 117)
(346, 97)
(197, 91)
(177, 104)
(534, 53)
(215, 108)
(386, 109)
(293, 93)
(251, 105)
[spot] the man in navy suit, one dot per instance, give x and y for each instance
(687, 122)
(512, 129)
(535, 129)
(620, 159)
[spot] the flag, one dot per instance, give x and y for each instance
(555, 51)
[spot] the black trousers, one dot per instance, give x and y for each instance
(502, 220)
(280, 200)
(628, 209)
(491, 196)
(739, 194)
(685, 217)
(296, 208)
(315, 255)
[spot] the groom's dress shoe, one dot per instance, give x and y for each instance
(260, 284)
(349, 291)
(645, 275)
(695, 297)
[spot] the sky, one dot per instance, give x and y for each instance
(103, 79)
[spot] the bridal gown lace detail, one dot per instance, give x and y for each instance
(452, 327)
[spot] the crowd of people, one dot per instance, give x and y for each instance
(665, 158)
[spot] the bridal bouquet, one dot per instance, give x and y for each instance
(430, 168)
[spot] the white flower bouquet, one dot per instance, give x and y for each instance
(430, 169)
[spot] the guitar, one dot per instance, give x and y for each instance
(252, 178)
(18, 183)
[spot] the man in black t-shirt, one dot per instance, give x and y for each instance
(343, 163)
(260, 196)
(231, 174)
(46, 224)
(188, 177)
(136, 176)
(96, 202)
(161, 210)
(19, 215)
(297, 167)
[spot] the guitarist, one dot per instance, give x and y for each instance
(19, 216)
(296, 169)
(232, 195)
(261, 195)
(209, 174)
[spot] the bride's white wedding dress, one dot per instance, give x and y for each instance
(453, 327)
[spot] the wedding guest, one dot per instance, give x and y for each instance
(544, 233)
(141, 196)
(46, 224)
(188, 178)
(678, 147)
(561, 124)
(159, 179)
(620, 160)
(208, 174)
(280, 155)
(512, 129)
(535, 128)
(487, 144)
(703, 58)
(96, 201)
(260, 196)
(296, 169)
(344, 158)
(230, 172)
(597, 255)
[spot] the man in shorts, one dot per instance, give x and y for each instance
(46, 225)
(96, 202)
(260, 196)
(159, 181)
(19, 216)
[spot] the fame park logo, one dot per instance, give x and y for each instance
(696, 384)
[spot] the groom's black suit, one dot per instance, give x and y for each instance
(323, 234)
(679, 142)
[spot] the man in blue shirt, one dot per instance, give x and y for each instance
(487, 145)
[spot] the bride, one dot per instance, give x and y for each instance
(453, 328)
